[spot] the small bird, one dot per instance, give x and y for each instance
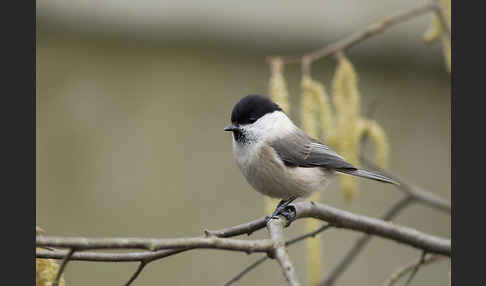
(280, 160)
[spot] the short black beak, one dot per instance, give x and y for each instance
(230, 127)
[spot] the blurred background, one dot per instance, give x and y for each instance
(132, 98)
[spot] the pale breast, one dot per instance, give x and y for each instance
(265, 172)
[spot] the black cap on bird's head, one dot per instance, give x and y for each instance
(249, 109)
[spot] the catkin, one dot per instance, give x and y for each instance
(279, 94)
(277, 86)
(46, 271)
(315, 110)
(377, 135)
(346, 101)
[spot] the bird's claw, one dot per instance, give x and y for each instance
(288, 212)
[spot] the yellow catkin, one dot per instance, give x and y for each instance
(46, 271)
(278, 88)
(377, 136)
(346, 101)
(315, 110)
(278, 92)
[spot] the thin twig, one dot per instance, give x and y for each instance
(402, 271)
(275, 227)
(419, 194)
(63, 266)
(358, 37)
(307, 235)
(287, 243)
(134, 276)
(349, 257)
(246, 270)
(416, 268)
(245, 228)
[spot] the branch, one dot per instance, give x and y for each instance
(275, 227)
(274, 247)
(247, 228)
(336, 217)
(360, 36)
(361, 242)
(288, 243)
(402, 234)
(80, 243)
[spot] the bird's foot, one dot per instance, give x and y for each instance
(287, 212)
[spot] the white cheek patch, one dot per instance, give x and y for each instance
(270, 126)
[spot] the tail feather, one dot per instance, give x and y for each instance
(369, 175)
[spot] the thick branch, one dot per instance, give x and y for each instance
(80, 243)
(247, 228)
(275, 227)
(402, 234)
(336, 217)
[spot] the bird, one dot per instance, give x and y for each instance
(280, 160)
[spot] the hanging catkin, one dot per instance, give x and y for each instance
(279, 94)
(316, 117)
(347, 105)
(372, 130)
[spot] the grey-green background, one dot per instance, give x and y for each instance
(132, 98)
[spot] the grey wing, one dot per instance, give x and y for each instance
(298, 149)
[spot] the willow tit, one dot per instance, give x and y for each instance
(280, 160)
